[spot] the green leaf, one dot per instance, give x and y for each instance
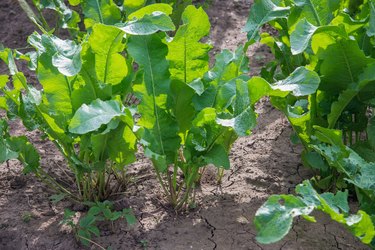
(94, 230)
(300, 38)
(57, 90)
(220, 79)
(205, 116)
(188, 61)
(317, 12)
(182, 95)
(91, 117)
(86, 86)
(27, 112)
(314, 160)
(188, 57)
(274, 219)
(160, 135)
(68, 18)
(329, 136)
(84, 236)
(106, 43)
(27, 154)
(371, 29)
(259, 87)
(3, 81)
(217, 156)
(362, 227)
(122, 146)
(6, 153)
(149, 24)
(345, 20)
(342, 63)
(243, 118)
(7, 56)
(100, 11)
(64, 54)
(129, 216)
(87, 221)
(348, 94)
(119, 145)
(149, 9)
(74, 2)
(262, 12)
(301, 82)
(134, 4)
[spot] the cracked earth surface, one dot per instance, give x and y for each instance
(264, 163)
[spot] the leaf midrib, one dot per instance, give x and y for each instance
(312, 7)
(107, 66)
(346, 61)
(99, 11)
(154, 96)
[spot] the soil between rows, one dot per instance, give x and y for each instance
(263, 163)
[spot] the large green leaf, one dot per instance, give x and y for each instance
(91, 117)
(342, 63)
(64, 54)
(348, 94)
(57, 91)
(188, 61)
(346, 21)
(301, 36)
(301, 82)
(122, 146)
(160, 128)
(189, 57)
(148, 24)
(119, 145)
(346, 161)
(183, 109)
(262, 12)
(149, 9)
(86, 86)
(317, 12)
(28, 114)
(217, 156)
(106, 43)
(274, 219)
(100, 11)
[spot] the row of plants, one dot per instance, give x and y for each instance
(190, 113)
(331, 111)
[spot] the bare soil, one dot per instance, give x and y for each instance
(264, 163)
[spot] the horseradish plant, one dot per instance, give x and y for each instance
(330, 111)
(190, 115)
(80, 107)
